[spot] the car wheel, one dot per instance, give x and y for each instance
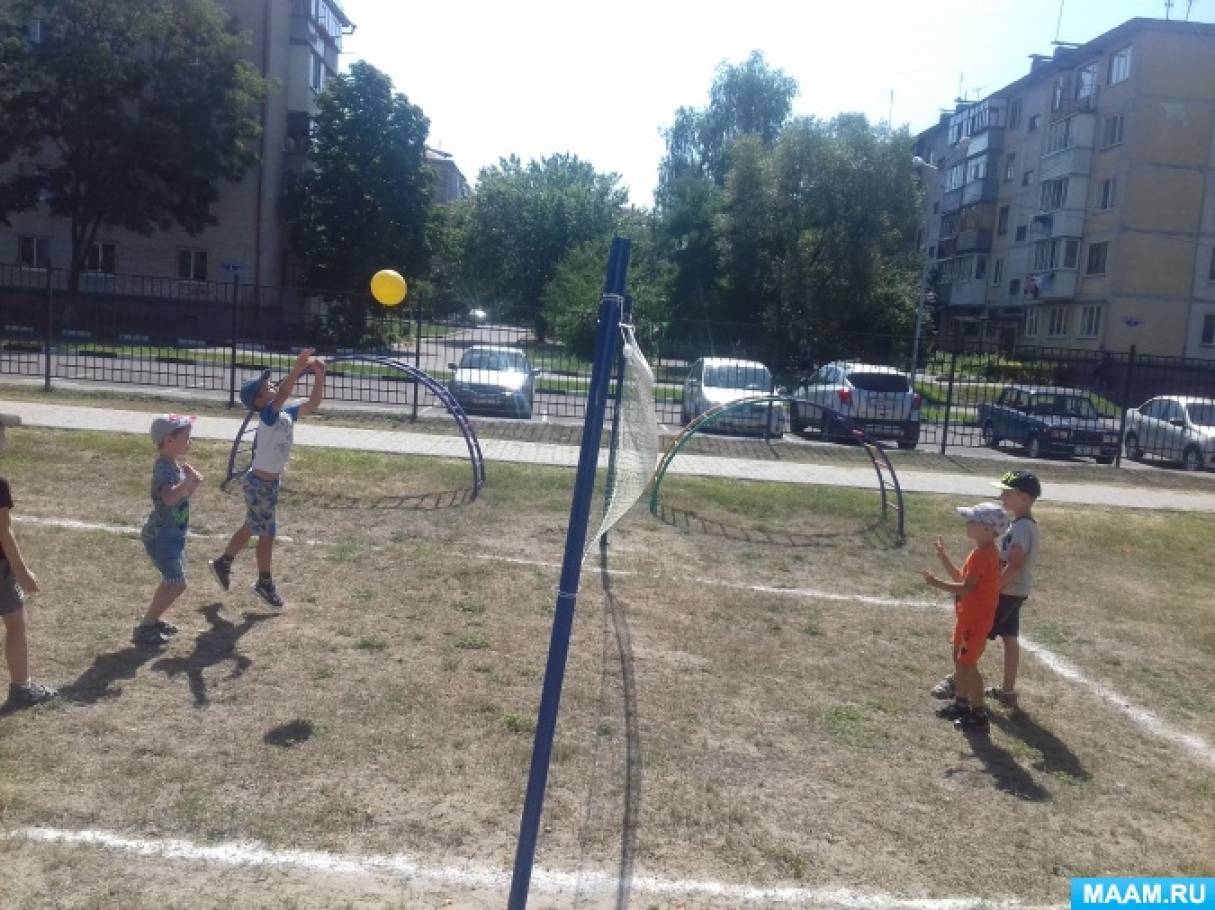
(990, 439)
(1105, 459)
(1033, 446)
(827, 428)
(1191, 459)
(908, 443)
(1133, 451)
(796, 425)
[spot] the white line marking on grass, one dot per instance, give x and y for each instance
(1141, 717)
(544, 881)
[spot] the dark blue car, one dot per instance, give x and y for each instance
(1049, 421)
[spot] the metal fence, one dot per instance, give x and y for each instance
(213, 335)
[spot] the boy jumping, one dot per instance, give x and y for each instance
(271, 452)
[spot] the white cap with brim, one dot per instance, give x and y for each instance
(989, 514)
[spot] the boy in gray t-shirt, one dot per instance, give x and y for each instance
(1018, 547)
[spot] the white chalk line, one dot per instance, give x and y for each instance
(244, 853)
(1141, 717)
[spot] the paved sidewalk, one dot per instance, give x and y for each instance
(500, 450)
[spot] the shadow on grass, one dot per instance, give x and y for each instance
(98, 681)
(292, 733)
(212, 647)
(417, 502)
(1008, 776)
(1057, 758)
(879, 533)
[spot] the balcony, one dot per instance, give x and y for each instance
(1057, 284)
(1074, 160)
(984, 190)
(951, 201)
(974, 241)
(989, 140)
(965, 293)
(1059, 223)
(1072, 105)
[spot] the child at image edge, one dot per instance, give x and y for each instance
(271, 452)
(976, 590)
(164, 531)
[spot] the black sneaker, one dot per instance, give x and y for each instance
(149, 636)
(1008, 699)
(953, 711)
(265, 589)
(166, 627)
(222, 570)
(27, 696)
(974, 722)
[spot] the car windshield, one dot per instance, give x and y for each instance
(481, 359)
(1064, 406)
(1202, 413)
(739, 376)
(879, 382)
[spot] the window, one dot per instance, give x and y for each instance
(1010, 166)
(1059, 136)
(980, 267)
(1054, 194)
(1002, 221)
(1058, 94)
(997, 273)
(1045, 255)
(1211, 267)
(316, 78)
(100, 258)
(1112, 132)
(1014, 287)
(33, 252)
(1096, 258)
(35, 32)
(1057, 322)
(932, 252)
(1090, 322)
(1031, 323)
(936, 207)
(955, 177)
(1086, 81)
(1120, 66)
(192, 265)
(1020, 232)
(1033, 122)
(1027, 178)
(977, 169)
(1014, 114)
(1208, 329)
(1071, 253)
(1107, 193)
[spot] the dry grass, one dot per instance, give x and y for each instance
(782, 739)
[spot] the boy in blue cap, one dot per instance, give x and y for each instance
(271, 451)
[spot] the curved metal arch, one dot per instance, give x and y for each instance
(888, 480)
(246, 438)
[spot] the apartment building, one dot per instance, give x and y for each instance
(296, 46)
(1075, 207)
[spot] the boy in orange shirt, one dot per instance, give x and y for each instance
(976, 590)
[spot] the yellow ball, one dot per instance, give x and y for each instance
(388, 287)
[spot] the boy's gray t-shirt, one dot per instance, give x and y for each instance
(1024, 533)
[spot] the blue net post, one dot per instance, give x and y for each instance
(606, 339)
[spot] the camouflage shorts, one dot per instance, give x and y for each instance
(261, 501)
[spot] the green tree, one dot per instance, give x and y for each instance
(126, 114)
(526, 218)
(570, 300)
(364, 205)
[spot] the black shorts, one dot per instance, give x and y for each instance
(1008, 617)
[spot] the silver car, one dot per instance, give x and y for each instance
(715, 381)
(878, 398)
(1173, 427)
(495, 380)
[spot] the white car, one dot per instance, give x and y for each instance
(1173, 427)
(878, 398)
(715, 381)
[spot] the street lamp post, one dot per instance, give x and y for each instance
(919, 162)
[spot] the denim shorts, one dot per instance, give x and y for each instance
(168, 554)
(261, 501)
(11, 598)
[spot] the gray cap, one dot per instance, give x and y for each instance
(167, 424)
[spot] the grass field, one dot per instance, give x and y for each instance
(776, 739)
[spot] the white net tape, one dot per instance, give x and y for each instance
(632, 464)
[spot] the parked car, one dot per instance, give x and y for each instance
(494, 379)
(1049, 421)
(878, 398)
(1173, 427)
(714, 381)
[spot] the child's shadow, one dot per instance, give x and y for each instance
(212, 647)
(1056, 756)
(97, 682)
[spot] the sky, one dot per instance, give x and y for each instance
(601, 81)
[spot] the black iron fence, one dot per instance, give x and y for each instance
(211, 336)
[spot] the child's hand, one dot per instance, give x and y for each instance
(929, 578)
(26, 580)
(191, 472)
(939, 546)
(317, 365)
(303, 358)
